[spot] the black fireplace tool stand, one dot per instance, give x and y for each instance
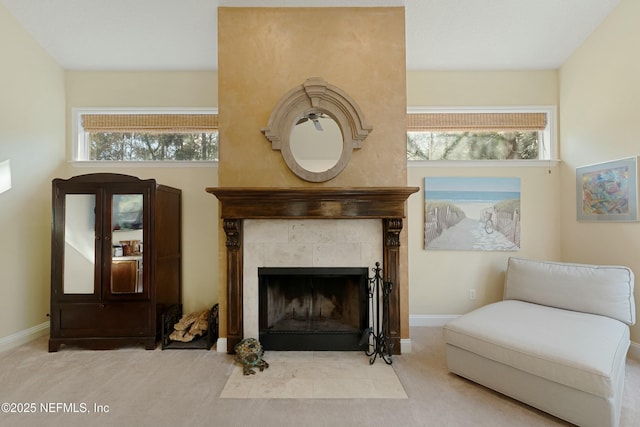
(375, 336)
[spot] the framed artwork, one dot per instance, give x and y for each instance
(472, 213)
(608, 191)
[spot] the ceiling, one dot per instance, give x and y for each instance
(182, 34)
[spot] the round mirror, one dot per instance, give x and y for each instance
(316, 126)
(316, 142)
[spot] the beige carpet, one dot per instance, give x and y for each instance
(184, 387)
(316, 375)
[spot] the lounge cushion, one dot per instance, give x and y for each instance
(603, 290)
(578, 350)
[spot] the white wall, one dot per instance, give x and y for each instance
(439, 281)
(599, 110)
(32, 136)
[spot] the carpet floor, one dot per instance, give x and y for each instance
(135, 387)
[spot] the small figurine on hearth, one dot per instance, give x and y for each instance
(249, 353)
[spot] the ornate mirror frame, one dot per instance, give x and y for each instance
(316, 96)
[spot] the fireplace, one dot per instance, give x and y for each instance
(238, 204)
(312, 308)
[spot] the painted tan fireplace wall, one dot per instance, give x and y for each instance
(265, 52)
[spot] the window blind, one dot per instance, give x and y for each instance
(150, 123)
(451, 122)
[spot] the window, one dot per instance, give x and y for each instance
(119, 135)
(507, 134)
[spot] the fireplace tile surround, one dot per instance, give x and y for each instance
(240, 206)
(303, 243)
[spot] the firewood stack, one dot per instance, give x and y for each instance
(190, 326)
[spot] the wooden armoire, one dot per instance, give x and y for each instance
(115, 260)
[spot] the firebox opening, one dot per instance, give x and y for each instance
(312, 308)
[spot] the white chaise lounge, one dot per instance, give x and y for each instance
(557, 342)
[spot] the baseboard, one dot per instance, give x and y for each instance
(221, 345)
(634, 351)
(424, 320)
(22, 337)
(430, 320)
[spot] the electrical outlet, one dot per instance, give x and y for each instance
(472, 294)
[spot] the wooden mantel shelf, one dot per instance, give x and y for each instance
(312, 202)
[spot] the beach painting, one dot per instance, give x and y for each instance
(472, 213)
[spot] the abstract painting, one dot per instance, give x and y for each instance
(608, 191)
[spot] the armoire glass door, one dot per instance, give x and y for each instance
(79, 244)
(126, 230)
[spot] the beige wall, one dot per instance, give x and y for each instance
(265, 52)
(600, 89)
(32, 137)
(481, 88)
(199, 209)
(440, 280)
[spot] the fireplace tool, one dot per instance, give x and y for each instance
(376, 334)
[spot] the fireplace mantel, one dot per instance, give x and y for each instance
(239, 203)
(312, 203)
